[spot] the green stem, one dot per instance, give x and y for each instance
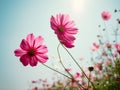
(106, 31)
(65, 68)
(89, 79)
(66, 85)
(79, 66)
(57, 71)
(111, 54)
(61, 61)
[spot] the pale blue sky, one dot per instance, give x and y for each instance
(21, 17)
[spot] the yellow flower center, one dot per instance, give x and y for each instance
(31, 52)
(61, 28)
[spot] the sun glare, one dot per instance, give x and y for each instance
(78, 6)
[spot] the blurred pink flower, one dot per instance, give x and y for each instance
(77, 75)
(32, 50)
(109, 61)
(117, 46)
(98, 66)
(35, 88)
(115, 54)
(108, 45)
(81, 58)
(64, 28)
(34, 81)
(85, 85)
(95, 46)
(106, 15)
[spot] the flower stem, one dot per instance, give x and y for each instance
(89, 79)
(62, 74)
(61, 61)
(65, 68)
(57, 71)
(79, 66)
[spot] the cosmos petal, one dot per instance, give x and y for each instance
(42, 58)
(38, 41)
(24, 45)
(25, 60)
(19, 52)
(33, 61)
(30, 39)
(42, 49)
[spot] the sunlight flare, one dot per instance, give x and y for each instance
(78, 6)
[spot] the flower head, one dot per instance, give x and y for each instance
(118, 21)
(108, 45)
(106, 15)
(90, 68)
(117, 46)
(32, 50)
(64, 28)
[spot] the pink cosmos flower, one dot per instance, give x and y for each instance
(106, 15)
(32, 50)
(64, 28)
